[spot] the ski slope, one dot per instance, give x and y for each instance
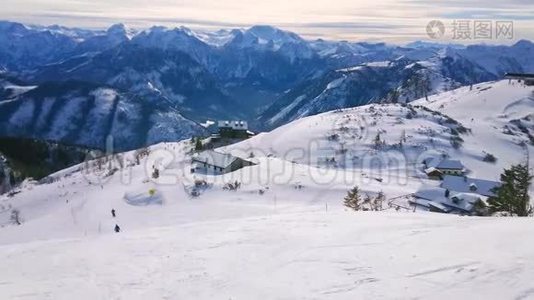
(306, 255)
(285, 233)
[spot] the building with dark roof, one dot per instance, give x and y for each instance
(527, 78)
(213, 162)
(234, 129)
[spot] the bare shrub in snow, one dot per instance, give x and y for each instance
(378, 201)
(141, 153)
(333, 137)
(367, 203)
(489, 158)
(111, 172)
(355, 201)
(456, 142)
(199, 183)
(232, 186)
(155, 173)
(199, 186)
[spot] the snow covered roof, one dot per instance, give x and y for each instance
(469, 185)
(214, 158)
(429, 203)
(467, 197)
(436, 195)
(432, 193)
(450, 164)
(235, 125)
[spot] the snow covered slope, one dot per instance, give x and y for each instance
(494, 117)
(284, 233)
(500, 117)
(279, 255)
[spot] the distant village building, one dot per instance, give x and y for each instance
(438, 199)
(450, 167)
(457, 194)
(528, 79)
(216, 163)
(234, 129)
(434, 173)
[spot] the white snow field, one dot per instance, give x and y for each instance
(285, 233)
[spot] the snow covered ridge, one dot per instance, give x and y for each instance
(350, 139)
(383, 143)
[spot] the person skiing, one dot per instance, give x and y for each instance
(117, 228)
(113, 212)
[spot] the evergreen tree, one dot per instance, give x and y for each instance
(353, 199)
(512, 196)
(198, 145)
(377, 141)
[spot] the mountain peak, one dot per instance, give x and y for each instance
(523, 43)
(117, 28)
(272, 33)
(264, 29)
(12, 27)
(264, 37)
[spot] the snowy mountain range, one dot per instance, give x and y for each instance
(262, 74)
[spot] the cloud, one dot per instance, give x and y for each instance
(389, 20)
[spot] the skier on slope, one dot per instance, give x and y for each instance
(113, 212)
(117, 228)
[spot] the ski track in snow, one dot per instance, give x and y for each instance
(264, 257)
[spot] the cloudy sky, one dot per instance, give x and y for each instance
(395, 21)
